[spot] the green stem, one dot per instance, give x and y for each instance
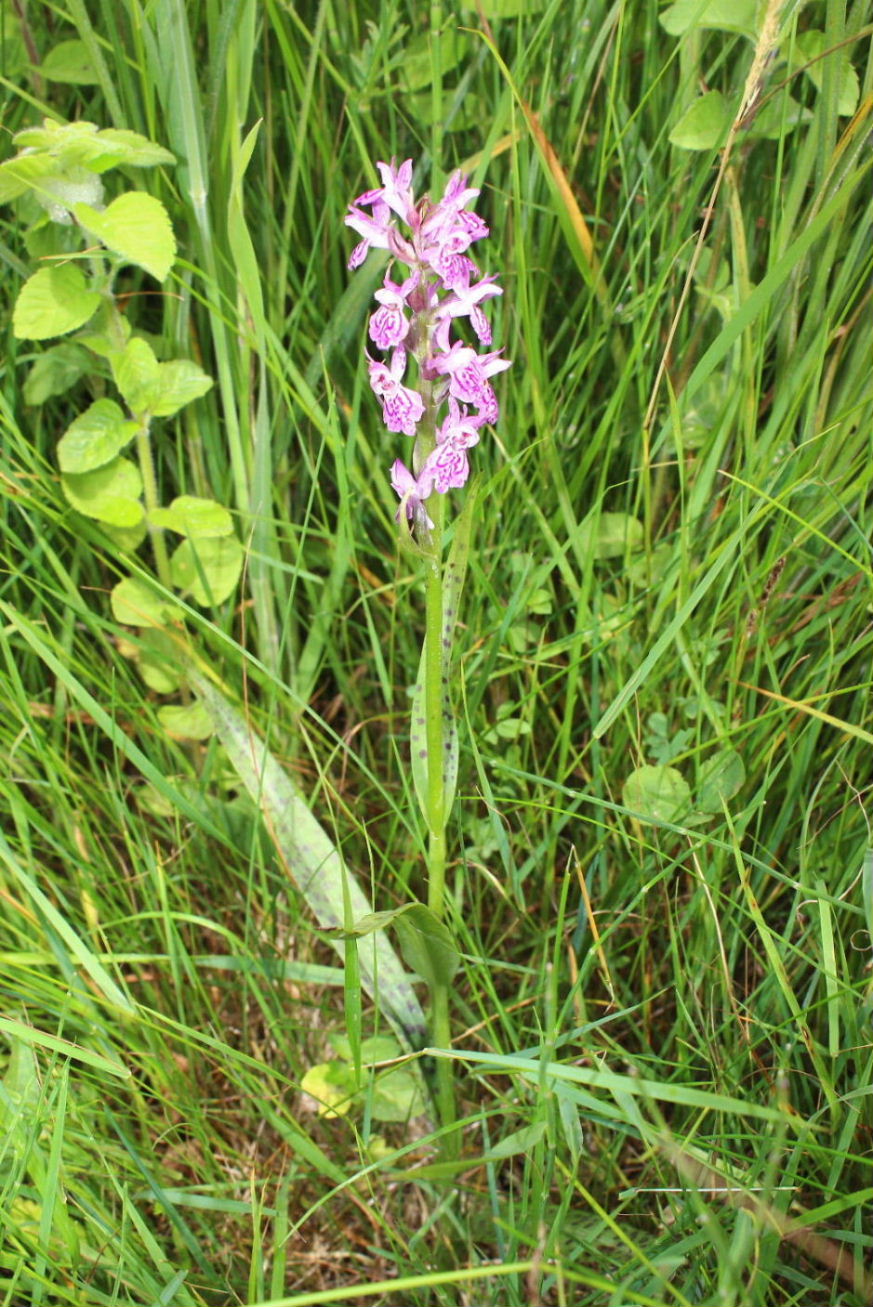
(435, 673)
(150, 495)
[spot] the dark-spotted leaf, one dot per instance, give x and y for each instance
(136, 227)
(52, 302)
(208, 570)
(95, 437)
(657, 793)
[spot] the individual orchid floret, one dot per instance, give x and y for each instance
(389, 325)
(396, 190)
(374, 229)
(402, 408)
(468, 374)
(465, 302)
(412, 496)
(446, 467)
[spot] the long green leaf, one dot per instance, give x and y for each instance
(313, 861)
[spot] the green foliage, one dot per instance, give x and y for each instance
(661, 1025)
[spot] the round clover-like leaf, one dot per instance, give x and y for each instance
(720, 778)
(657, 793)
(704, 125)
(109, 494)
(137, 227)
(52, 302)
(70, 62)
(332, 1085)
(136, 604)
(95, 438)
(208, 570)
(611, 534)
(188, 721)
(198, 519)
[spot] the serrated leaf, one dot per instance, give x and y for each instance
(23, 173)
(136, 227)
(69, 62)
(188, 721)
(719, 779)
(704, 125)
(714, 15)
(55, 371)
(135, 371)
(207, 570)
(159, 389)
(427, 945)
(778, 117)
(134, 150)
(52, 302)
(657, 794)
(178, 383)
(136, 604)
(95, 438)
(109, 494)
(199, 519)
(311, 858)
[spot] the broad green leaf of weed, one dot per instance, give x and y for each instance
(137, 228)
(53, 302)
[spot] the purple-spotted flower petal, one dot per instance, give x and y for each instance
(402, 408)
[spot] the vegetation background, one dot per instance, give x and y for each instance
(661, 874)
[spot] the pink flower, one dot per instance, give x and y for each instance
(468, 374)
(464, 302)
(389, 325)
(402, 408)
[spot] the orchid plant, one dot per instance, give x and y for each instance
(443, 408)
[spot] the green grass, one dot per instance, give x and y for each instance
(662, 1029)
